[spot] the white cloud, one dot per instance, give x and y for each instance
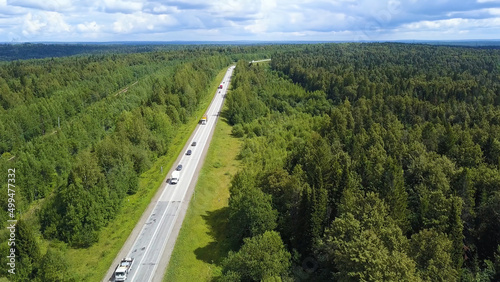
(123, 26)
(161, 9)
(109, 20)
(453, 24)
(89, 27)
(44, 22)
(436, 24)
(297, 18)
(494, 11)
(234, 8)
(47, 5)
(142, 22)
(32, 25)
(120, 6)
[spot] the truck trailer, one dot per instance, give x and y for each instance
(204, 119)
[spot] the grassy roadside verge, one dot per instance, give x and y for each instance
(91, 264)
(200, 244)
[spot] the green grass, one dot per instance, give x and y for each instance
(91, 264)
(202, 241)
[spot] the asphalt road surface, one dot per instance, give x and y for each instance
(149, 244)
(265, 60)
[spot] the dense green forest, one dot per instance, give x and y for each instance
(375, 162)
(25, 51)
(80, 130)
(367, 162)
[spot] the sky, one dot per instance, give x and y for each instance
(253, 20)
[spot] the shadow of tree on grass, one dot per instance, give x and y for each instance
(217, 250)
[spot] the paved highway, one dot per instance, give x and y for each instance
(150, 243)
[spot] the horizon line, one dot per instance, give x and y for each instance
(246, 41)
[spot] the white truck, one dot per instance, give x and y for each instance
(123, 269)
(175, 177)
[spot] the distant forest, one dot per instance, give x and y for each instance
(25, 51)
(360, 161)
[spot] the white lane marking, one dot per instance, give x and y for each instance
(204, 137)
(160, 222)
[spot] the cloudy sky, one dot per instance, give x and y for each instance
(267, 20)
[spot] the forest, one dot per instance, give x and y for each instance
(361, 162)
(367, 162)
(79, 132)
(25, 51)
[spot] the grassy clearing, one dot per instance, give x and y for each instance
(91, 264)
(202, 241)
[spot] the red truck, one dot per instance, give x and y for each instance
(220, 86)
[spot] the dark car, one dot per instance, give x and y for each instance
(188, 152)
(193, 144)
(179, 167)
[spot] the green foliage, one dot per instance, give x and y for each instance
(394, 193)
(485, 273)
(80, 130)
(431, 251)
(365, 243)
(109, 142)
(27, 252)
(346, 148)
(489, 227)
(497, 263)
(262, 257)
(244, 104)
(250, 210)
(417, 126)
(53, 267)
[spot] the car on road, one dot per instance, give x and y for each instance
(193, 144)
(179, 167)
(188, 152)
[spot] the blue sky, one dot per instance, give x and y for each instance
(267, 20)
